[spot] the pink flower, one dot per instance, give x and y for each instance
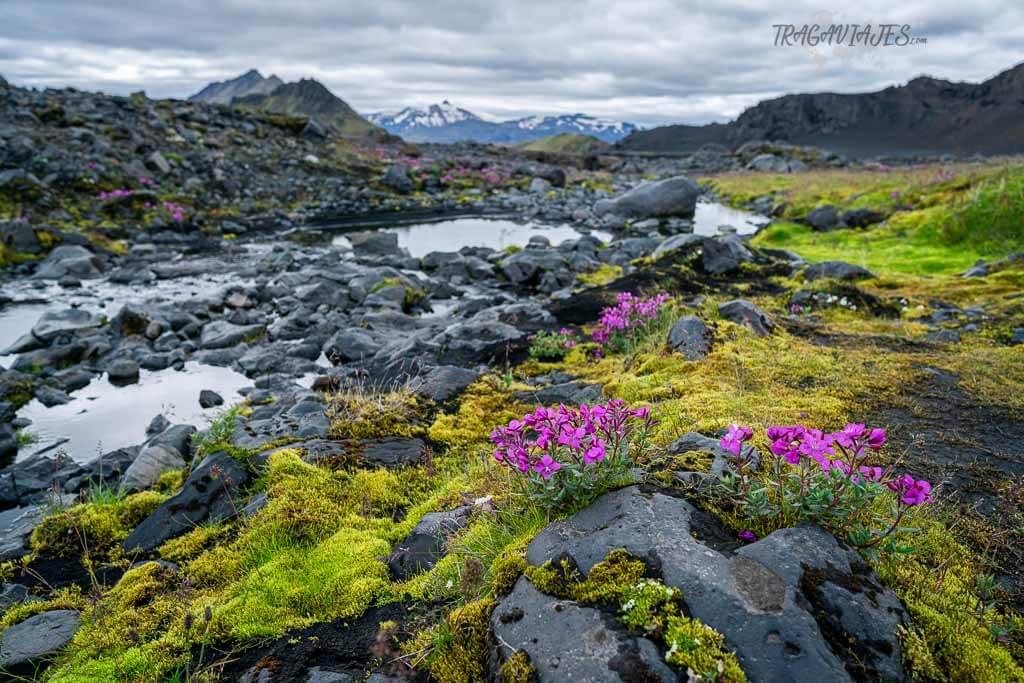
(911, 492)
(546, 466)
(876, 439)
(748, 536)
(734, 439)
(595, 453)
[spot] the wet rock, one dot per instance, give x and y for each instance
(123, 371)
(221, 334)
(445, 382)
(670, 197)
(526, 267)
(16, 526)
(824, 218)
(12, 594)
(51, 397)
(676, 242)
(69, 259)
(786, 604)
(349, 345)
(720, 256)
(210, 494)
(157, 425)
(837, 270)
(151, 462)
(427, 542)
(568, 641)
(375, 243)
(742, 312)
(106, 469)
(472, 342)
(397, 178)
(38, 636)
(8, 442)
(393, 451)
(210, 399)
(74, 379)
(53, 324)
(32, 479)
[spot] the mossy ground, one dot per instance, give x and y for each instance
(314, 553)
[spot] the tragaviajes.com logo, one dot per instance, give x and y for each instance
(845, 35)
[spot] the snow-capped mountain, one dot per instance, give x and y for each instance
(446, 122)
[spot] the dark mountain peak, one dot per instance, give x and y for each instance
(928, 115)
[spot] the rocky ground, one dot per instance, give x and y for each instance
(342, 520)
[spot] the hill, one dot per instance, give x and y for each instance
(925, 116)
(566, 143)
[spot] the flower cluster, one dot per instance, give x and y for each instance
(177, 211)
(552, 345)
(831, 479)
(628, 316)
(568, 454)
(116, 193)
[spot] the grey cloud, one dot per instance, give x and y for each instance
(649, 61)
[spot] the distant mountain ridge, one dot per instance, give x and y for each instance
(925, 116)
(251, 82)
(446, 122)
(306, 97)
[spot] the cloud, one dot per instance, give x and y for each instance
(649, 61)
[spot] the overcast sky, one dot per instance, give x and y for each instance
(647, 61)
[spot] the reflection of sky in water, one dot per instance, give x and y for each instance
(498, 234)
(102, 417)
(709, 217)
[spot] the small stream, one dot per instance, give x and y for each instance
(102, 417)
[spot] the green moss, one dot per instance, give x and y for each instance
(517, 669)
(358, 414)
(192, 544)
(92, 528)
(937, 584)
(462, 651)
(603, 275)
(644, 605)
(63, 598)
(696, 647)
(506, 570)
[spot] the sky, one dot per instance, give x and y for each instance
(646, 61)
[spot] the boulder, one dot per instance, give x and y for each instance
(210, 399)
(724, 255)
(566, 641)
(742, 312)
(211, 493)
(392, 451)
(795, 605)
(38, 636)
(690, 337)
(1017, 336)
(836, 270)
(670, 197)
(221, 334)
(349, 345)
(445, 382)
(314, 130)
(573, 392)
(677, 242)
(426, 543)
(375, 243)
(157, 163)
(151, 462)
(19, 237)
(692, 442)
(123, 371)
(824, 218)
(69, 259)
(16, 525)
(53, 324)
(862, 218)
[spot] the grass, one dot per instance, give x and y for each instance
(941, 218)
